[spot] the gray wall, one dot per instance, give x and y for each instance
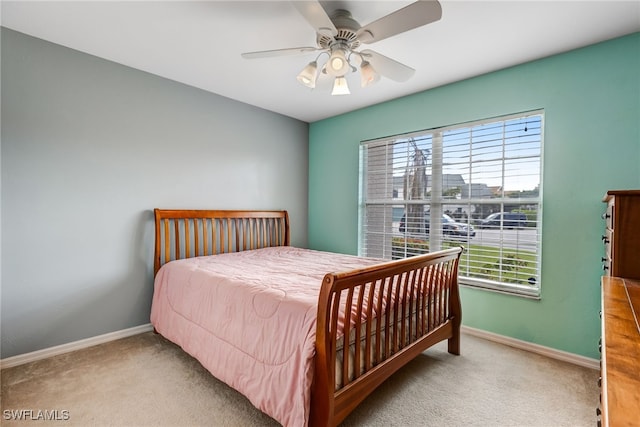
(89, 148)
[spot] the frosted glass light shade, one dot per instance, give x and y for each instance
(337, 65)
(340, 86)
(368, 74)
(308, 75)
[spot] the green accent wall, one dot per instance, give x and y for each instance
(591, 100)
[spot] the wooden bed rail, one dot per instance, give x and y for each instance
(413, 303)
(190, 233)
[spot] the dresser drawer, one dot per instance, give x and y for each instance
(606, 266)
(607, 259)
(608, 216)
(607, 241)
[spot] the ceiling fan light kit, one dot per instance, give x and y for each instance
(339, 36)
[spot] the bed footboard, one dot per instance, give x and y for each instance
(373, 321)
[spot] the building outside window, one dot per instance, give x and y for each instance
(474, 184)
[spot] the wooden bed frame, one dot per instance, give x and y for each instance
(426, 310)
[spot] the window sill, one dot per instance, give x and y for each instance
(514, 290)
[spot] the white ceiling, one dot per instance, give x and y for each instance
(199, 43)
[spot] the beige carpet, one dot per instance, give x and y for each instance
(146, 381)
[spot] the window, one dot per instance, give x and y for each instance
(474, 184)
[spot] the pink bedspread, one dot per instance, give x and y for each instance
(250, 319)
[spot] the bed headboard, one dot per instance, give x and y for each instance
(190, 233)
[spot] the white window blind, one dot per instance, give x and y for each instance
(473, 184)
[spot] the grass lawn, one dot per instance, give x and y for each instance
(482, 262)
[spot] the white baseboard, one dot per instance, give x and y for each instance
(583, 361)
(112, 336)
(72, 346)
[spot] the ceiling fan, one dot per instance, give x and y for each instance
(339, 36)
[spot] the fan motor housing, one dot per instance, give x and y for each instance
(347, 31)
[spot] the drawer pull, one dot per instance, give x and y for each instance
(605, 240)
(606, 216)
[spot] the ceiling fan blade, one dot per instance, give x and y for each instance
(388, 67)
(415, 15)
(278, 52)
(315, 15)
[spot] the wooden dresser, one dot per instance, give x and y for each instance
(620, 371)
(622, 234)
(620, 342)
